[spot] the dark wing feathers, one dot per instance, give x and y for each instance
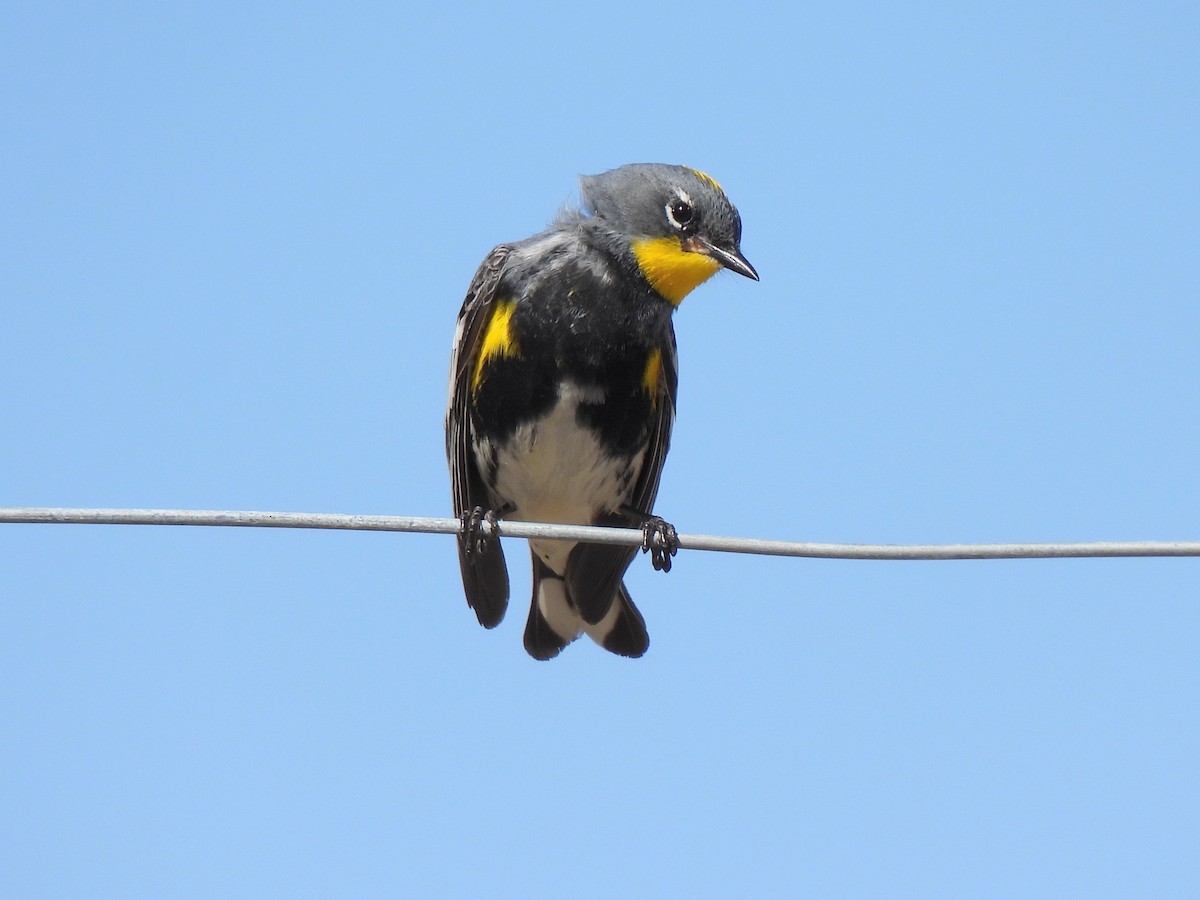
(485, 575)
(646, 489)
(594, 571)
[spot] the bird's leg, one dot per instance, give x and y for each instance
(475, 539)
(659, 538)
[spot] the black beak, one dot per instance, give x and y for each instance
(730, 259)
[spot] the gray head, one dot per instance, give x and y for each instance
(668, 213)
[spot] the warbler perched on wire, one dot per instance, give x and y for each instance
(562, 394)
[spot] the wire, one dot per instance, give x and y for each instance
(593, 534)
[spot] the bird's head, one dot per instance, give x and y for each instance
(681, 227)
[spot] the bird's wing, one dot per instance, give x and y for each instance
(594, 571)
(485, 576)
(646, 488)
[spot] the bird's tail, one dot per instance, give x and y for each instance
(554, 621)
(622, 630)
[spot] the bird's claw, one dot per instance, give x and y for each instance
(661, 541)
(475, 538)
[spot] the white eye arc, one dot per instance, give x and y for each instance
(680, 212)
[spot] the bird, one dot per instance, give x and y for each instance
(563, 380)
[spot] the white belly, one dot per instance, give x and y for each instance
(554, 470)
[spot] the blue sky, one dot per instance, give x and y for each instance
(233, 241)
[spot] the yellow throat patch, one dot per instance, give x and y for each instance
(671, 270)
(498, 340)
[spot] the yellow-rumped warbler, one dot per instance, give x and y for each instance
(562, 393)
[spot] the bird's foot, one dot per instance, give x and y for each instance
(474, 536)
(661, 541)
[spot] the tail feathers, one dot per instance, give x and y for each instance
(622, 630)
(555, 621)
(594, 573)
(485, 581)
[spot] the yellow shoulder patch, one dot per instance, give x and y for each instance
(671, 270)
(498, 340)
(652, 375)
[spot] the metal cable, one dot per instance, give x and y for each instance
(594, 534)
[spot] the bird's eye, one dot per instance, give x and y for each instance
(681, 213)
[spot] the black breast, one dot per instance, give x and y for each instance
(573, 323)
